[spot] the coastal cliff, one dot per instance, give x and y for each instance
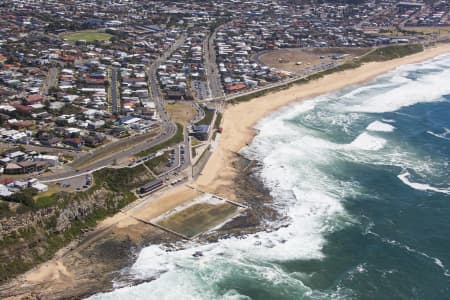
(32, 236)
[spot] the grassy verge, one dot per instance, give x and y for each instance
(112, 148)
(201, 161)
(45, 199)
(122, 180)
(209, 115)
(177, 138)
(195, 142)
(218, 120)
(391, 52)
(158, 164)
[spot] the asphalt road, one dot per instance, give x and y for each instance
(212, 70)
(50, 80)
(115, 106)
(171, 130)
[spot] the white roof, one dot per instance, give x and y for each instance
(40, 186)
(16, 153)
(47, 157)
(4, 191)
(132, 120)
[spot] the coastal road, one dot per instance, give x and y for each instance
(212, 70)
(115, 102)
(108, 161)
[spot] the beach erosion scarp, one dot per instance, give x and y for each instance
(239, 119)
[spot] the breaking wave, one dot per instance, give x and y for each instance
(445, 135)
(380, 126)
(404, 177)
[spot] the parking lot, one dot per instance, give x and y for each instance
(82, 182)
(200, 89)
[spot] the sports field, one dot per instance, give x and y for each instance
(88, 36)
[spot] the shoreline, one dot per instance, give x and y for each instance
(238, 121)
(219, 175)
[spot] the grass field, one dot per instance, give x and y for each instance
(198, 218)
(287, 59)
(429, 30)
(88, 36)
(180, 112)
(392, 52)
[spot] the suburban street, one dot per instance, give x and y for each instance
(50, 80)
(115, 101)
(212, 71)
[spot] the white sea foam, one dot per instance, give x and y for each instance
(368, 142)
(427, 88)
(404, 177)
(395, 243)
(380, 126)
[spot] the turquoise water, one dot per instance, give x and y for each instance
(363, 175)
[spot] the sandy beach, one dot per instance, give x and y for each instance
(239, 120)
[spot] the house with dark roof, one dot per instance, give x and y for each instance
(74, 142)
(201, 132)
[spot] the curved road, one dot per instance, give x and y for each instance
(168, 132)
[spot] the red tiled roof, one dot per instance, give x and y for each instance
(34, 99)
(6, 180)
(68, 58)
(22, 107)
(97, 80)
(236, 87)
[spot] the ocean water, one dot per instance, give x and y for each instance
(363, 174)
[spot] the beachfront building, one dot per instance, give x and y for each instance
(201, 132)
